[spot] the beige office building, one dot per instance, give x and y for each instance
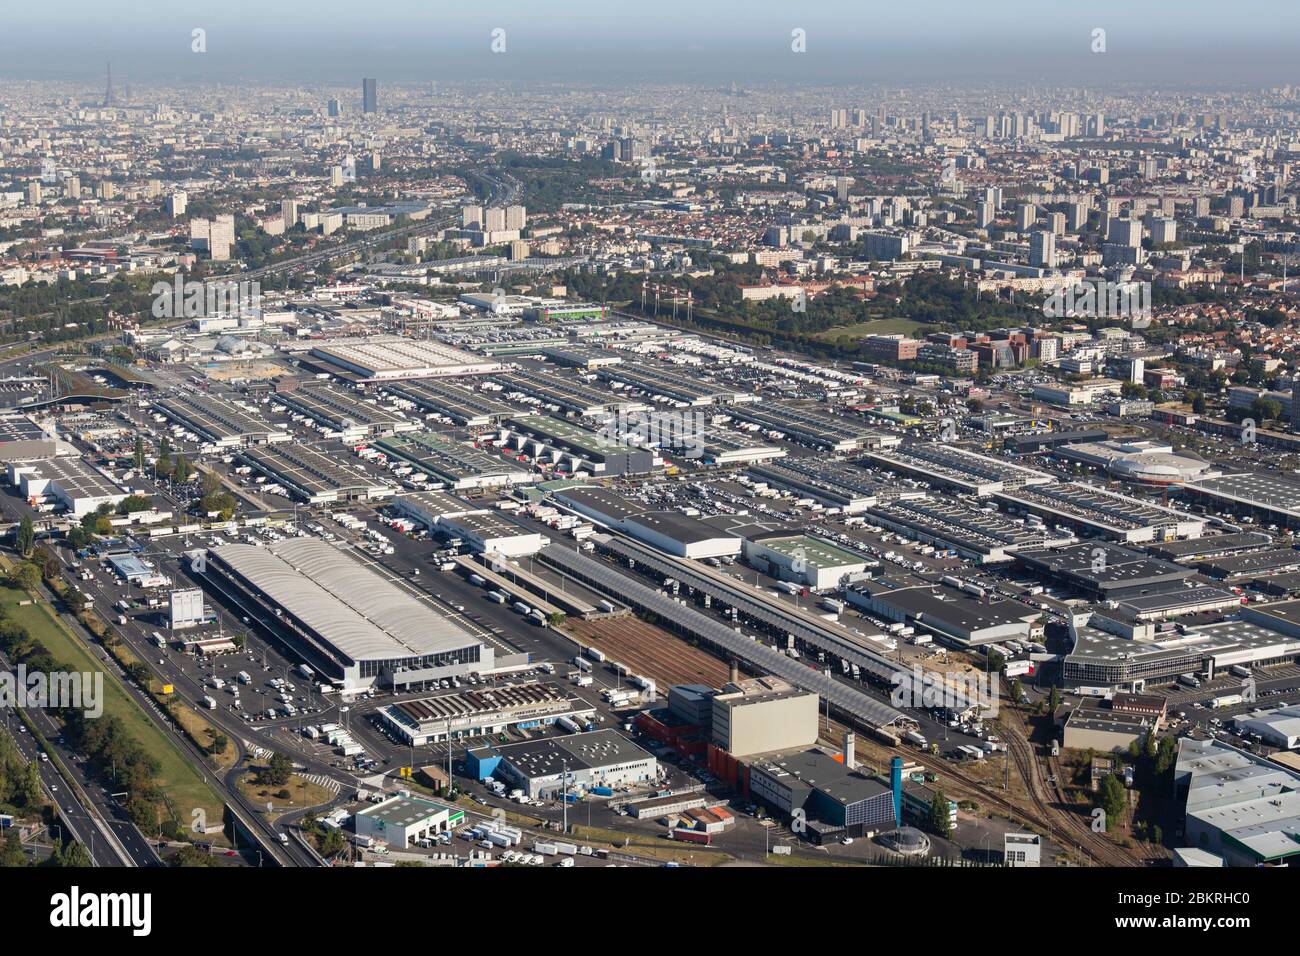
(763, 714)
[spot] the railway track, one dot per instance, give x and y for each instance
(661, 656)
(1070, 828)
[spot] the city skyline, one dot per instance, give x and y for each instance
(1186, 44)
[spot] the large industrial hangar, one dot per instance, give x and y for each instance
(829, 483)
(430, 507)
(950, 467)
(566, 393)
(1272, 498)
(549, 765)
(353, 418)
(476, 713)
(464, 406)
(487, 532)
(1104, 513)
(954, 616)
(355, 624)
(1105, 572)
(669, 531)
(21, 439)
(655, 382)
(973, 534)
(77, 486)
(571, 447)
(1211, 547)
(809, 426)
(453, 464)
(312, 476)
(218, 421)
(388, 357)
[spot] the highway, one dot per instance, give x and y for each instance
(92, 816)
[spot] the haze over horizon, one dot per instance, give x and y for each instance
(1162, 44)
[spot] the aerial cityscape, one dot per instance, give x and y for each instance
(685, 464)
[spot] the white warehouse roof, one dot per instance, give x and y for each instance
(361, 614)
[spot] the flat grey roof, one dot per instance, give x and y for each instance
(357, 611)
(548, 756)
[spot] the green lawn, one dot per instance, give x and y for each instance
(874, 327)
(178, 779)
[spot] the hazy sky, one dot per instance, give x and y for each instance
(1156, 42)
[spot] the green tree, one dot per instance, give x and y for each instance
(211, 483)
(11, 854)
(133, 503)
(75, 600)
(184, 471)
(26, 576)
(26, 536)
(331, 843)
(1166, 754)
(139, 456)
(72, 856)
(277, 771)
(940, 815)
(1112, 798)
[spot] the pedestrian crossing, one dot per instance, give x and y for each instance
(329, 783)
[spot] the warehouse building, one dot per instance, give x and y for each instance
(831, 484)
(219, 422)
(477, 713)
(953, 615)
(813, 427)
(946, 466)
(567, 393)
(1279, 727)
(573, 449)
(953, 525)
(133, 569)
(430, 507)
(1237, 566)
(350, 622)
(1211, 547)
(464, 406)
(71, 482)
(1104, 572)
(724, 447)
(586, 357)
(803, 559)
(352, 418)
(681, 535)
(669, 531)
(21, 439)
(1099, 512)
(1093, 726)
(1240, 807)
(834, 799)
(1268, 497)
(452, 464)
(1033, 443)
(546, 766)
(389, 357)
(403, 821)
(312, 476)
(488, 533)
